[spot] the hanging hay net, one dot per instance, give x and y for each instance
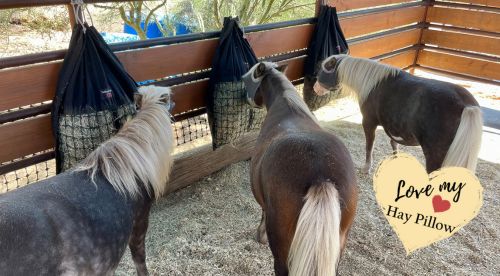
(232, 116)
(80, 134)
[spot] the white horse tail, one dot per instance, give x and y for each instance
(315, 248)
(465, 147)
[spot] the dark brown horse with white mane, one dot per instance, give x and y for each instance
(302, 176)
(443, 118)
(80, 222)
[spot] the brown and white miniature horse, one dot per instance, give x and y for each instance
(80, 222)
(302, 176)
(443, 118)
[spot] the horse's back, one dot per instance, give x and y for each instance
(405, 103)
(57, 225)
(301, 159)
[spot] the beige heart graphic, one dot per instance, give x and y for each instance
(421, 208)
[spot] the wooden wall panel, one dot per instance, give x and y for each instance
(460, 64)
(344, 5)
(189, 96)
(385, 44)
(402, 60)
(28, 85)
(25, 137)
(272, 42)
(482, 20)
(370, 23)
(462, 41)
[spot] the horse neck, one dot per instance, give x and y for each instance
(281, 97)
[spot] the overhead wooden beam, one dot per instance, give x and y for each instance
(12, 4)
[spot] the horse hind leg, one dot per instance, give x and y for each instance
(261, 230)
(369, 128)
(138, 239)
(394, 146)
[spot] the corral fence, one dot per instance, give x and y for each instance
(460, 37)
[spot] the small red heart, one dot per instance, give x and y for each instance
(439, 204)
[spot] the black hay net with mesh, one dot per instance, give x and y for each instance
(94, 97)
(230, 116)
(327, 40)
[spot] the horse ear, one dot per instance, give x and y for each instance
(138, 100)
(330, 63)
(282, 68)
(260, 70)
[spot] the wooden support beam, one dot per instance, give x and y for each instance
(193, 165)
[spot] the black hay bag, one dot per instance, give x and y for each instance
(229, 114)
(327, 40)
(93, 99)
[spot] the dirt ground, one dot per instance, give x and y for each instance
(208, 228)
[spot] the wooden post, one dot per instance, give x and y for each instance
(424, 20)
(72, 18)
(318, 4)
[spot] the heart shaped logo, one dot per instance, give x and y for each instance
(439, 204)
(422, 208)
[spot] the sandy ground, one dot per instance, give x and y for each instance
(208, 228)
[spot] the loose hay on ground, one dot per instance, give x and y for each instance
(209, 227)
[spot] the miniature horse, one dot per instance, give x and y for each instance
(79, 222)
(443, 118)
(302, 177)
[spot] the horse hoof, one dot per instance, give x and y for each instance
(366, 170)
(261, 238)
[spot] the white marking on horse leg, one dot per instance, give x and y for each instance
(367, 167)
(261, 230)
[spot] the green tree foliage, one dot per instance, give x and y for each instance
(253, 12)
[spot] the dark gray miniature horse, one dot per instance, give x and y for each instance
(79, 222)
(443, 118)
(303, 178)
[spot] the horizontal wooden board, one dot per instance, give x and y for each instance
(28, 85)
(462, 41)
(481, 20)
(401, 60)
(189, 96)
(344, 5)
(489, 3)
(272, 42)
(370, 23)
(193, 95)
(385, 44)
(25, 137)
(460, 64)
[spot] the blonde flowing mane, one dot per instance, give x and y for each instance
(359, 76)
(139, 155)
